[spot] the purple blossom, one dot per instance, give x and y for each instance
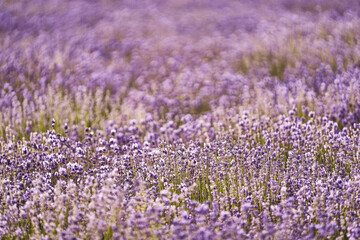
(189, 120)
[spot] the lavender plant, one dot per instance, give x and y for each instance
(179, 119)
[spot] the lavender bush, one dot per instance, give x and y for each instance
(179, 119)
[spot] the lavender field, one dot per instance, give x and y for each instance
(179, 119)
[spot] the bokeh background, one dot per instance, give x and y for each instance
(91, 61)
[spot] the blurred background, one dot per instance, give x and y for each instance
(85, 62)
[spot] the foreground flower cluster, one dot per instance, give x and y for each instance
(179, 119)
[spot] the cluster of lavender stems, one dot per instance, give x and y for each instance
(179, 119)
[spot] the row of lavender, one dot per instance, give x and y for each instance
(179, 119)
(240, 177)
